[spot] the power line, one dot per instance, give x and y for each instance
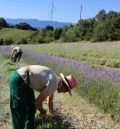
(81, 7)
(51, 13)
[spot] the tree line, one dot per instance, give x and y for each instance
(103, 27)
(21, 25)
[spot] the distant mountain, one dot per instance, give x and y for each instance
(37, 23)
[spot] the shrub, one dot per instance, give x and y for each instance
(8, 41)
(23, 41)
(41, 40)
(1, 42)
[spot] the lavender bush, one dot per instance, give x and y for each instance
(85, 69)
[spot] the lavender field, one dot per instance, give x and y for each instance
(100, 54)
(100, 85)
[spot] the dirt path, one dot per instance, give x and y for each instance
(4, 100)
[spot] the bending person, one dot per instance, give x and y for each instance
(16, 54)
(22, 100)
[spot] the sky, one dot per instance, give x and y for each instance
(63, 10)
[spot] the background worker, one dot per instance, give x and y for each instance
(16, 54)
(22, 100)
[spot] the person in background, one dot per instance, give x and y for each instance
(16, 54)
(22, 100)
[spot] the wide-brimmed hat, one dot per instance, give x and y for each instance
(70, 82)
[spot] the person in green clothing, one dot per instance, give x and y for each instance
(23, 81)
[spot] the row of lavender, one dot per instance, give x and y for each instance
(4, 51)
(83, 68)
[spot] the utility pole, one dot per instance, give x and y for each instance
(51, 13)
(81, 11)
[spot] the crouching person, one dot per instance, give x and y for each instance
(22, 101)
(16, 54)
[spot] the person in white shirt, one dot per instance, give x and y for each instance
(16, 54)
(22, 100)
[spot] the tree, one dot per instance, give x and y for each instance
(25, 26)
(3, 23)
(86, 28)
(111, 15)
(100, 33)
(71, 35)
(101, 16)
(47, 28)
(57, 33)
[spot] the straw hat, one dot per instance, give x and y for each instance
(70, 82)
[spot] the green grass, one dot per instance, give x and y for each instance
(104, 54)
(15, 34)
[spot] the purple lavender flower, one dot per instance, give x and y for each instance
(83, 68)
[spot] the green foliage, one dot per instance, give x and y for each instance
(70, 35)
(113, 63)
(1, 42)
(23, 41)
(100, 33)
(105, 94)
(57, 33)
(24, 26)
(103, 27)
(101, 16)
(3, 23)
(41, 39)
(6, 41)
(15, 34)
(47, 28)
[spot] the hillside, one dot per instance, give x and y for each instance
(37, 23)
(14, 34)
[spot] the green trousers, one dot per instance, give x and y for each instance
(17, 56)
(21, 103)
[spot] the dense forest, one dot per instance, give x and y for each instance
(103, 27)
